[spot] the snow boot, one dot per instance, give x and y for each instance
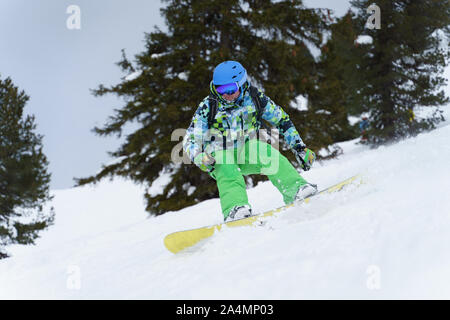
(305, 191)
(239, 212)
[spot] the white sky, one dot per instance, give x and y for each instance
(57, 67)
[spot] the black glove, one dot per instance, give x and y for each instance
(305, 157)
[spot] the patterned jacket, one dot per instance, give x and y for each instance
(234, 124)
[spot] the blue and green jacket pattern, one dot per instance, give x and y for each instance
(234, 124)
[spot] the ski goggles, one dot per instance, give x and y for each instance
(229, 88)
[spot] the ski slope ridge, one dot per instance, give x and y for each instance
(388, 238)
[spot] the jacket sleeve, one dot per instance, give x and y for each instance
(196, 140)
(277, 117)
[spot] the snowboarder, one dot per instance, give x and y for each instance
(222, 140)
(363, 126)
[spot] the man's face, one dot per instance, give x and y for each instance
(231, 97)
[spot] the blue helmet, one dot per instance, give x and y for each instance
(229, 72)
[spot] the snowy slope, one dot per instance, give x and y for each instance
(389, 238)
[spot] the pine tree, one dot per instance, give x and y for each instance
(172, 76)
(333, 100)
(24, 181)
(402, 68)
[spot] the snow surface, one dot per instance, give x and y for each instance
(387, 238)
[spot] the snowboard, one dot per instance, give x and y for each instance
(178, 241)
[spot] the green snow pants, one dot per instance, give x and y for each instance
(256, 157)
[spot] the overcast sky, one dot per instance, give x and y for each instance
(57, 67)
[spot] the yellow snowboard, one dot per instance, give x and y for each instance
(177, 241)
